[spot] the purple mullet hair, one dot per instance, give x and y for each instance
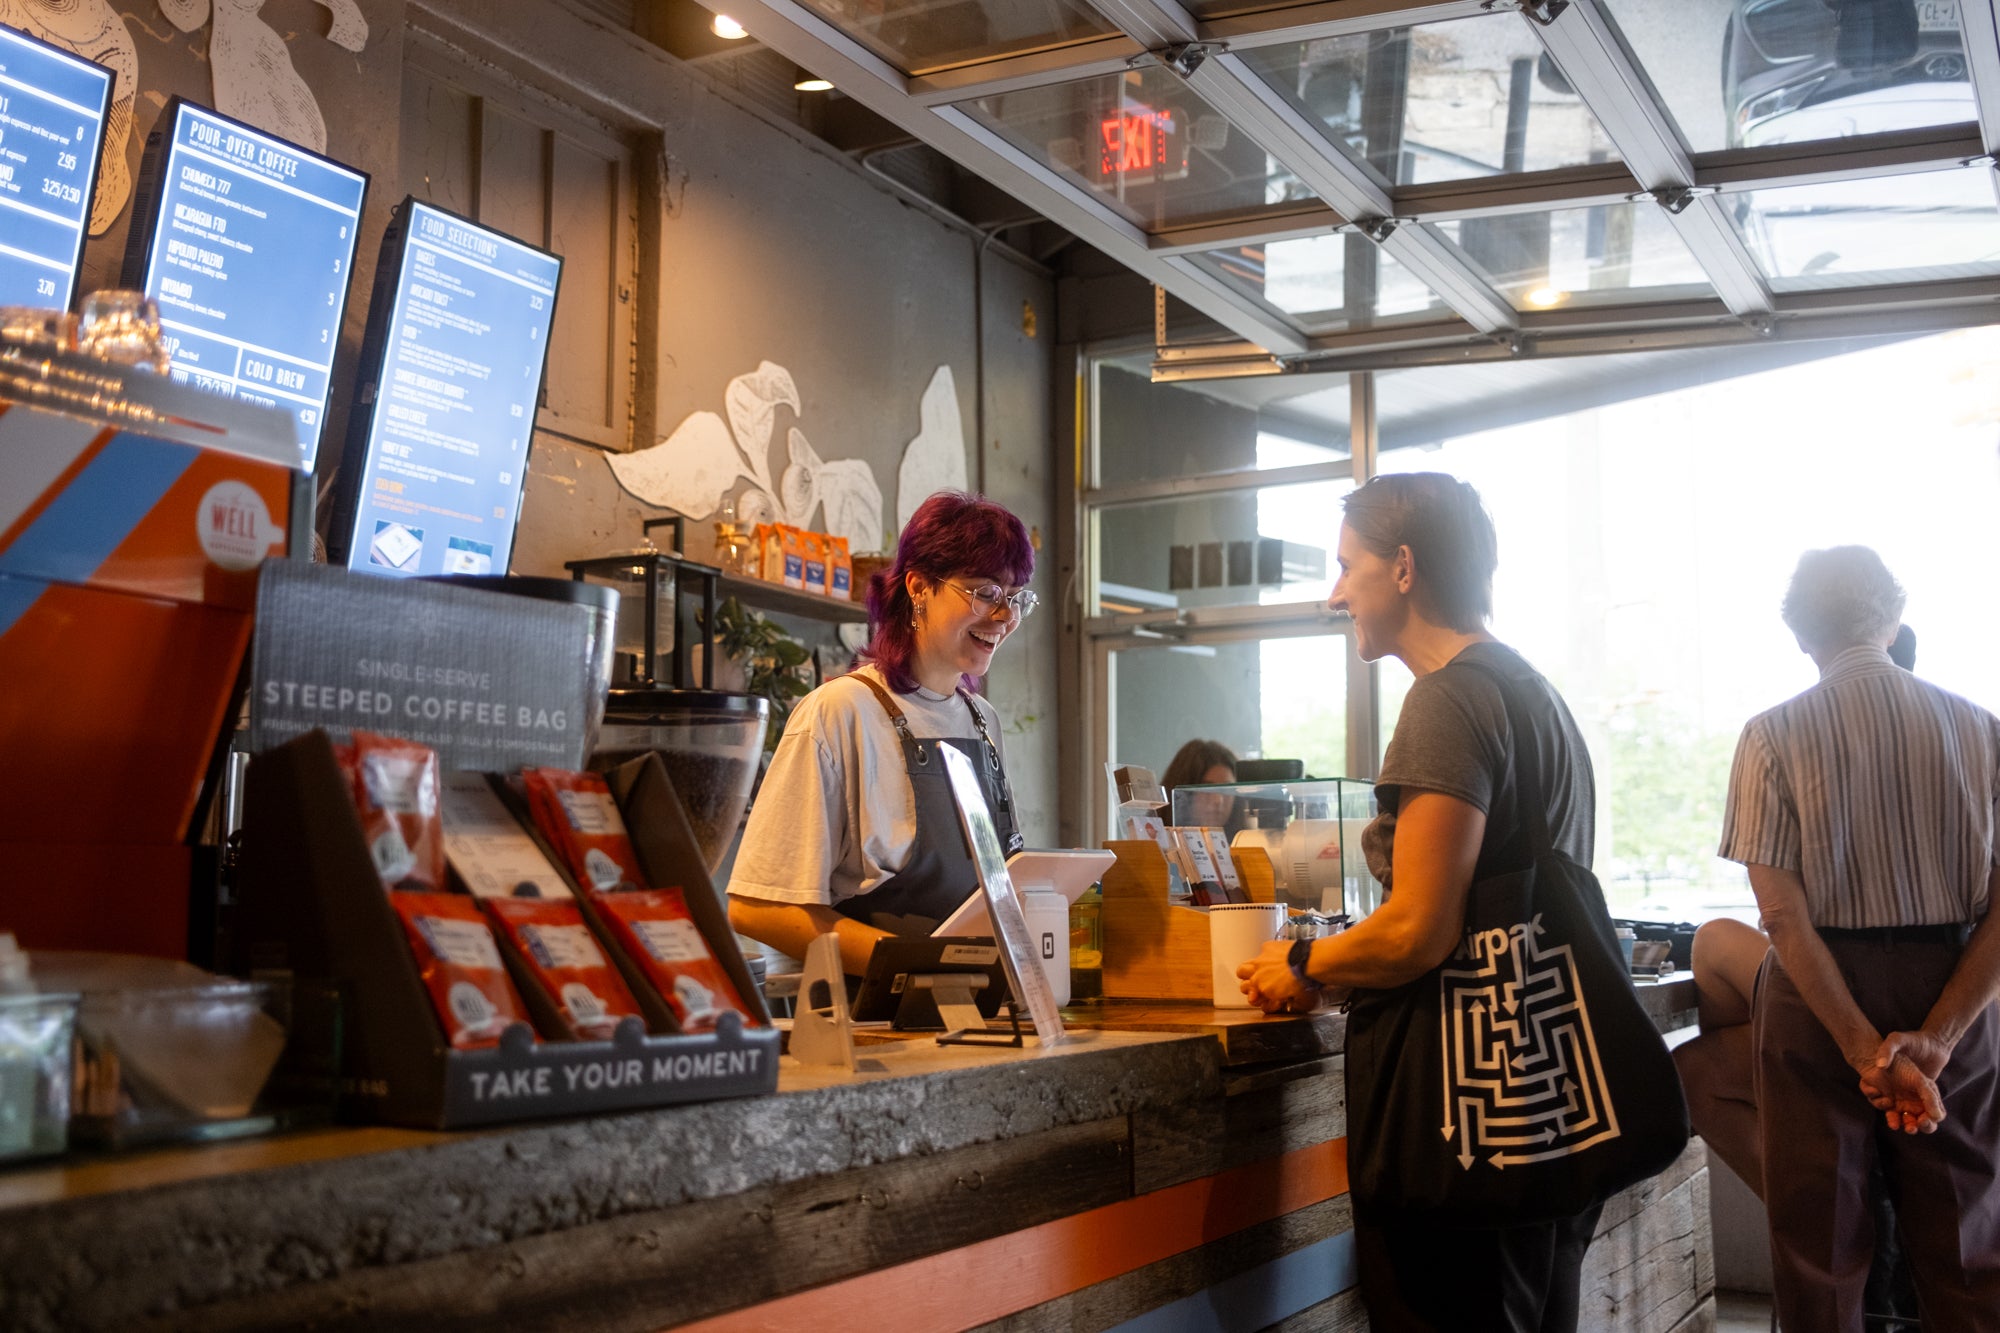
(952, 533)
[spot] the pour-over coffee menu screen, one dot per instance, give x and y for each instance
(460, 372)
(249, 260)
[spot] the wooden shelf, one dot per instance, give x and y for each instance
(789, 601)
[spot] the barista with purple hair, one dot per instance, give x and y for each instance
(854, 830)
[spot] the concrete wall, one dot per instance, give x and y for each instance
(765, 244)
(357, 96)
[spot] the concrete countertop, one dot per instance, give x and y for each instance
(115, 1242)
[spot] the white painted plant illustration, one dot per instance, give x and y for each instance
(693, 470)
(935, 460)
(93, 30)
(251, 70)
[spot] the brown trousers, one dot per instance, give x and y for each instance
(1820, 1138)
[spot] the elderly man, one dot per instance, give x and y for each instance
(1865, 812)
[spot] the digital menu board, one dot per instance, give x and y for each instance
(437, 444)
(247, 244)
(52, 107)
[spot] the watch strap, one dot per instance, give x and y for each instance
(1299, 958)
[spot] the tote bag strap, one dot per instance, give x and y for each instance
(1531, 804)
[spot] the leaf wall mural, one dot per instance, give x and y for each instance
(251, 74)
(93, 30)
(935, 459)
(694, 470)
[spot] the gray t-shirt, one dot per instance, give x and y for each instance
(1452, 737)
(835, 817)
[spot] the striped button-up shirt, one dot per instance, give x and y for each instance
(1878, 789)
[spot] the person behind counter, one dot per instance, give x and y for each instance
(1203, 763)
(1417, 554)
(854, 829)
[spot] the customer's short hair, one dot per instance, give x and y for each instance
(1842, 596)
(1450, 537)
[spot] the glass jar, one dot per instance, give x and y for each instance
(1086, 947)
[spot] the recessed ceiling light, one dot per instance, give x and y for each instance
(1545, 296)
(724, 26)
(809, 84)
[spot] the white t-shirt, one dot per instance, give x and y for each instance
(835, 817)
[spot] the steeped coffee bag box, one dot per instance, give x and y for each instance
(492, 682)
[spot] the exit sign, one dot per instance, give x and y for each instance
(1137, 141)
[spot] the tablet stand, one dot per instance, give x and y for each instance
(952, 993)
(979, 1036)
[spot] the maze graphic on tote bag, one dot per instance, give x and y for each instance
(1522, 1077)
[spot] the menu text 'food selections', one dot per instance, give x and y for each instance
(460, 371)
(52, 108)
(249, 256)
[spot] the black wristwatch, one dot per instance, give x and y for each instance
(1298, 959)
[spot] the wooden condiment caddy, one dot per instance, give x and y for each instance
(1154, 950)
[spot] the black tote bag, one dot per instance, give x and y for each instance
(1519, 1081)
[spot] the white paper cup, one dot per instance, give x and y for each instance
(1238, 932)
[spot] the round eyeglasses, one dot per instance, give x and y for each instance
(994, 597)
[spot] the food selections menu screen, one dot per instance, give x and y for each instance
(249, 259)
(460, 372)
(51, 126)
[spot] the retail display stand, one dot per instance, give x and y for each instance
(134, 512)
(313, 904)
(1155, 949)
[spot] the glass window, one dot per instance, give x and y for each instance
(1759, 72)
(1645, 546)
(917, 36)
(1146, 145)
(1152, 432)
(1936, 224)
(1606, 254)
(1210, 9)
(1445, 101)
(1275, 698)
(1243, 548)
(1323, 281)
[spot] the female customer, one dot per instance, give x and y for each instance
(854, 830)
(1417, 554)
(1203, 763)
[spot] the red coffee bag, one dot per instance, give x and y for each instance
(576, 813)
(461, 967)
(551, 938)
(657, 932)
(395, 786)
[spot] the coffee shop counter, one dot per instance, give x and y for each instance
(1169, 1163)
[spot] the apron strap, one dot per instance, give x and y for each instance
(889, 705)
(979, 722)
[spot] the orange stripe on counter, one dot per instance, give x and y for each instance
(978, 1283)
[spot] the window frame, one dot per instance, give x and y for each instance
(1096, 637)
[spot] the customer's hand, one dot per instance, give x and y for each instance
(1271, 985)
(1907, 1097)
(1926, 1051)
